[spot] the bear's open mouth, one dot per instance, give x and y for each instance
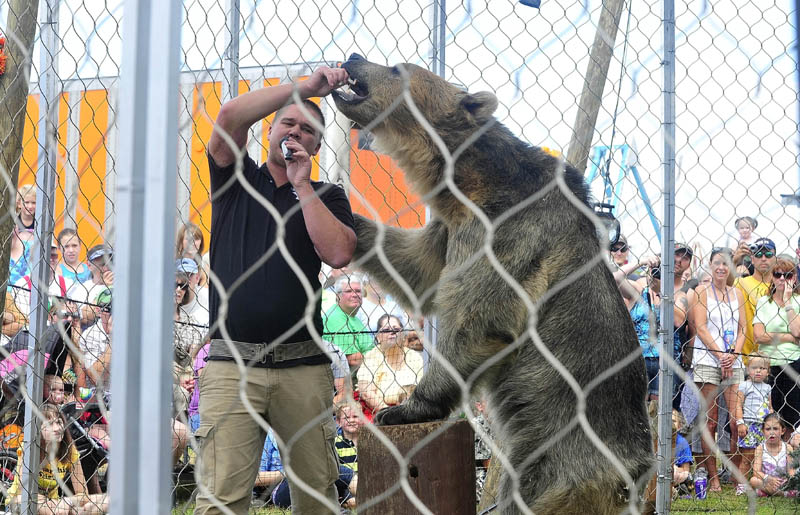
(352, 92)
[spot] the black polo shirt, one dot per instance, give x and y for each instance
(271, 302)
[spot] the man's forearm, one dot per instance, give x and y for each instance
(239, 114)
(334, 241)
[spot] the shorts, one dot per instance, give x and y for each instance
(651, 366)
(753, 438)
(713, 375)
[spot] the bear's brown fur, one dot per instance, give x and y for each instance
(542, 240)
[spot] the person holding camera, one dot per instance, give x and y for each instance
(643, 298)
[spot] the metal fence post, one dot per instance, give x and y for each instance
(40, 271)
(664, 451)
(140, 461)
(230, 67)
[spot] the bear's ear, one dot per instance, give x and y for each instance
(480, 105)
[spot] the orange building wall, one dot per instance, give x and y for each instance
(374, 176)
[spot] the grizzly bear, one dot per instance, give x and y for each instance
(462, 162)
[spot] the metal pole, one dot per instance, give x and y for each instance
(438, 46)
(664, 457)
(40, 271)
(230, 82)
(140, 461)
(158, 286)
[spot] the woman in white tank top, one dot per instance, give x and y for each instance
(719, 317)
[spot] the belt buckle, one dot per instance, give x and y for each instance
(267, 358)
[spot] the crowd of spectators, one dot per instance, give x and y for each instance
(375, 352)
(737, 339)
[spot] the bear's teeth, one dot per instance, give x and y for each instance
(352, 82)
(346, 93)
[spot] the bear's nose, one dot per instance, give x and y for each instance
(355, 57)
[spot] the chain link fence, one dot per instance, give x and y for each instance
(736, 175)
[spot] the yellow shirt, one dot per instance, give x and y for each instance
(752, 290)
(48, 485)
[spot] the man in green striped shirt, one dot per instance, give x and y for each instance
(342, 326)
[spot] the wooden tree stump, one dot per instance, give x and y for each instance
(441, 474)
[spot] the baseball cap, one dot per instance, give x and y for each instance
(99, 251)
(684, 247)
(764, 243)
(186, 265)
(104, 299)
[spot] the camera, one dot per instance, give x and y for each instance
(655, 272)
(287, 152)
(753, 247)
(68, 314)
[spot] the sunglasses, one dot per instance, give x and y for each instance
(106, 309)
(619, 248)
(182, 286)
(389, 330)
(787, 275)
(726, 250)
(764, 253)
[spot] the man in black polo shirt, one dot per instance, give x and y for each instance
(259, 315)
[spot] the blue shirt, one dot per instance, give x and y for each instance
(270, 457)
(81, 275)
(683, 454)
(640, 314)
(21, 267)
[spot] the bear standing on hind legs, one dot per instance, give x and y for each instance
(544, 242)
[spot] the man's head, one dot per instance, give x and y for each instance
(100, 258)
(70, 245)
(348, 293)
(683, 258)
(103, 303)
(347, 417)
(53, 256)
(619, 251)
(291, 121)
(764, 256)
(189, 267)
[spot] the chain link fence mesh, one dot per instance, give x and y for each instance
(736, 148)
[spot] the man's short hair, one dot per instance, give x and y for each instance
(344, 280)
(308, 104)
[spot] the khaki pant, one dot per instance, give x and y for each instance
(296, 402)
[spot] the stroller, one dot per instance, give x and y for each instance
(94, 455)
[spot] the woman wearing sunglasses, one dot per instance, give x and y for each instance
(390, 371)
(776, 328)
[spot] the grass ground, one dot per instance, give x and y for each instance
(728, 502)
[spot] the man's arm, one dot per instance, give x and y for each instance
(334, 241)
(237, 115)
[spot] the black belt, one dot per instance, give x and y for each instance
(263, 353)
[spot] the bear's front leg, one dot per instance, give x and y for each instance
(417, 256)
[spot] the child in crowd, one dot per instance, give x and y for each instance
(754, 404)
(771, 466)
(57, 453)
(682, 466)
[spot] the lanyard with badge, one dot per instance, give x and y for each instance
(727, 333)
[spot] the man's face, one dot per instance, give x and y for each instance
(619, 253)
(100, 265)
(294, 124)
(682, 261)
(53, 258)
(764, 259)
(71, 249)
(350, 297)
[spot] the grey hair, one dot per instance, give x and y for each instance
(344, 280)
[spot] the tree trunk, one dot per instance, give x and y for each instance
(594, 83)
(20, 34)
